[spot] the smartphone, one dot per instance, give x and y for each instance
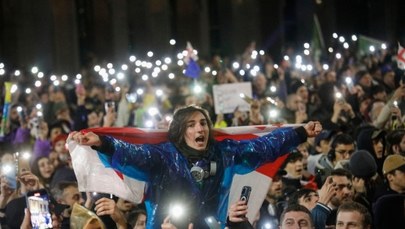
(212, 222)
(23, 163)
(38, 205)
(245, 194)
(9, 172)
(109, 104)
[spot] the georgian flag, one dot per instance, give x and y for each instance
(95, 176)
(401, 57)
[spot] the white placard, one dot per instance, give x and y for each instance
(227, 97)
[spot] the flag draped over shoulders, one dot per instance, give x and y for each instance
(94, 173)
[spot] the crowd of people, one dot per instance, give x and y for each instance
(350, 173)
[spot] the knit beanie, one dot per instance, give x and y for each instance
(362, 164)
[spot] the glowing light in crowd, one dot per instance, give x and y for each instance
(117, 89)
(14, 88)
(124, 67)
(111, 71)
(145, 77)
(253, 72)
(132, 58)
(168, 118)
(330, 49)
(53, 78)
(148, 123)
(64, 77)
(207, 69)
(346, 45)
(197, 89)
(303, 81)
(235, 65)
(180, 56)
(37, 83)
(180, 63)
(79, 76)
(214, 73)
(371, 48)
(120, 76)
(395, 103)
(56, 83)
(338, 56)
(97, 68)
(177, 211)
(306, 45)
(138, 63)
(159, 92)
(158, 62)
(256, 68)
(110, 65)
(137, 70)
(171, 76)
(273, 89)
(247, 66)
(34, 70)
(6, 169)
(306, 52)
(309, 67)
(342, 39)
(153, 111)
(168, 60)
(25, 155)
(338, 95)
(172, 42)
(303, 68)
(383, 46)
(28, 91)
(334, 35)
(261, 52)
(17, 73)
(348, 80)
(254, 54)
(286, 58)
(354, 38)
(1, 65)
(150, 54)
(298, 59)
(139, 91)
(19, 109)
(2, 71)
(273, 113)
(38, 106)
(113, 81)
(242, 72)
(325, 67)
(77, 81)
(165, 67)
(242, 95)
(275, 66)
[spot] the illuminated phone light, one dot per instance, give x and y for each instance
(56, 83)
(214, 73)
(207, 69)
(137, 70)
(78, 76)
(395, 103)
(105, 78)
(2, 71)
(14, 88)
(325, 67)
(334, 35)
(303, 68)
(371, 48)
(64, 77)
(94, 193)
(145, 77)
(148, 123)
(165, 67)
(342, 39)
(120, 76)
(53, 78)
(77, 81)
(28, 91)
(159, 92)
(338, 95)
(154, 74)
(117, 89)
(171, 76)
(273, 89)
(7, 169)
(348, 80)
(19, 109)
(197, 89)
(177, 211)
(298, 59)
(302, 81)
(354, 38)
(40, 114)
(242, 72)
(111, 71)
(262, 52)
(306, 52)
(338, 56)
(242, 95)
(38, 106)
(17, 72)
(25, 155)
(158, 62)
(110, 65)
(34, 70)
(256, 68)
(97, 68)
(113, 81)
(309, 67)
(273, 113)
(330, 50)
(132, 58)
(235, 65)
(180, 55)
(383, 46)
(253, 72)
(1, 65)
(138, 63)
(168, 118)
(150, 54)
(306, 45)
(156, 69)
(275, 66)
(247, 66)
(168, 60)
(139, 91)
(180, 63)
(172, 41)
(124, 67)
(287, 58)
(37, 83)
(346, 45)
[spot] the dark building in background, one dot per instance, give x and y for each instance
(64, 35)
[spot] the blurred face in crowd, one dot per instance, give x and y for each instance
(343, 152)
(55, 132)
(309, 201)
(330, 76)
(260, 83)
(402, 145)
(324, 146)
(378, 147)
(276, 188)
(397, 180)
(303, 93)
(350, 219)
(46, 168)
(197, 132)
(71, 195)
(366, 80)
(93, 119)
(140, 222)
(54, 159)
(294, 102)
(294, 168)
(344, 191)
(296, 219)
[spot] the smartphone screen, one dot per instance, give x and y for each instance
(23, 163)
(245, 193)
(10, 173)
(38, 205)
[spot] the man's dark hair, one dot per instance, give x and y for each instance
(341, 173)
(296, 208)
(354, 206)
(178, 125)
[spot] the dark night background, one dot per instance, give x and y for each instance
(63, 35)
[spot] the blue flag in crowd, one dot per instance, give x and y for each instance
(193, 69)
